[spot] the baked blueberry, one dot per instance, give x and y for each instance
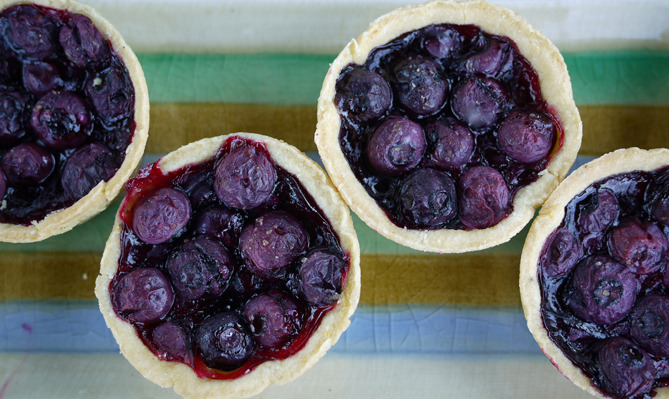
(142, 296)
(160, 215)
(479, 102)
(320, 278)
(62, 120)
(496, 59)
(597, 215)
(649, 324)
(526, 136)
(40, 77)
(639, 245)
(224, 341)
(221, 223)
(427, 198)
(173, 341)
(27, 164)
(363, 95)
(444, 42)
(396, 146)
(30, 31)
(419, 86)
(245, 178)
(454, 144)
(273, 317)
(562, 253)
(627, 369)
(86, 168)
(110, 93)
(83, 44)
(11, 114)
(483, 197)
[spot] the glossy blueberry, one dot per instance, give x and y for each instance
(173, 341)
(199, 186)
(62, 120)
(11, 118)
(602, 290)
(627, 369)
(221, 223)
(496, 59)
(454, 144)
(87, 166)
(427, 198)
(273, 241)
(649, 324)
(245, 177)
(561, 254)
(111, 94)
(363, 95)
(526, 136)
(320, 278)
(483, 197)
(224, 341)
(443, 43)
(142, 296)
(479, 102)
(599, 212)
(273, 317)
(396, 146)
(418, 84)
(30, 31)
(41, 77)
(160, 215)
(660, 210)
(199, 268)
(639, 245)
(27, 164)
(83, 44)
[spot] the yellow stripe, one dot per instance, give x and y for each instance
(479, 280)
(605, 128)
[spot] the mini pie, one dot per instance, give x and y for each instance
(594, 280)
(74, 116)
(233, 264)
(445, 125)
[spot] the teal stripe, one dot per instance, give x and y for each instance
(598, 78)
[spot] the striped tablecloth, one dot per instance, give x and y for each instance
(428, 325)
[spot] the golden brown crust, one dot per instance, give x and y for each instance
(182, 377)
(101, 195)
(549, 218)
(555, 87)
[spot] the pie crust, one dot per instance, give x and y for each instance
(104, 193)
(182, 377)
(549, 218)
(555, 87)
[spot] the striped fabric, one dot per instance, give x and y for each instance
(428, 325)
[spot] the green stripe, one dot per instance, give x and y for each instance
(620, 77)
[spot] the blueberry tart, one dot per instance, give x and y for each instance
(445, 125)
(594, 278)
(232, 265)
(74, 116)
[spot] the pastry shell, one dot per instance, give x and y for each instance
(182, 377)
(99, 198)
(555, 87)
(549, 218)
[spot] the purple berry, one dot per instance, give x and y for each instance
(596, 216)
(562, 252)
(526, 136)
(221, 223)
(660, 210)
(160, 215)
(446, 43)
(11, 118)
(639, 245)
(199, 187)
(83, 44)
(41, 77)
(363, 95)
(199, 268)
(173, 341)
(111, 94)
(62, 120)
(628, 371)
(427, 198)
(27, 164)
(419, 86)
(274, 318)
(396, 146)
(649, 324)
(495, 60)
(245, 177)
(483, 197)
(454, 144)
(87, 166)
(142, 296)
(30, 31)
(602, 290)
(479, 102)
(224, 341)
(320, 278)
(272, 242)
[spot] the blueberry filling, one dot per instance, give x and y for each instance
(604, 285)
(65, 95)
(248, 283)
(451, 98)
